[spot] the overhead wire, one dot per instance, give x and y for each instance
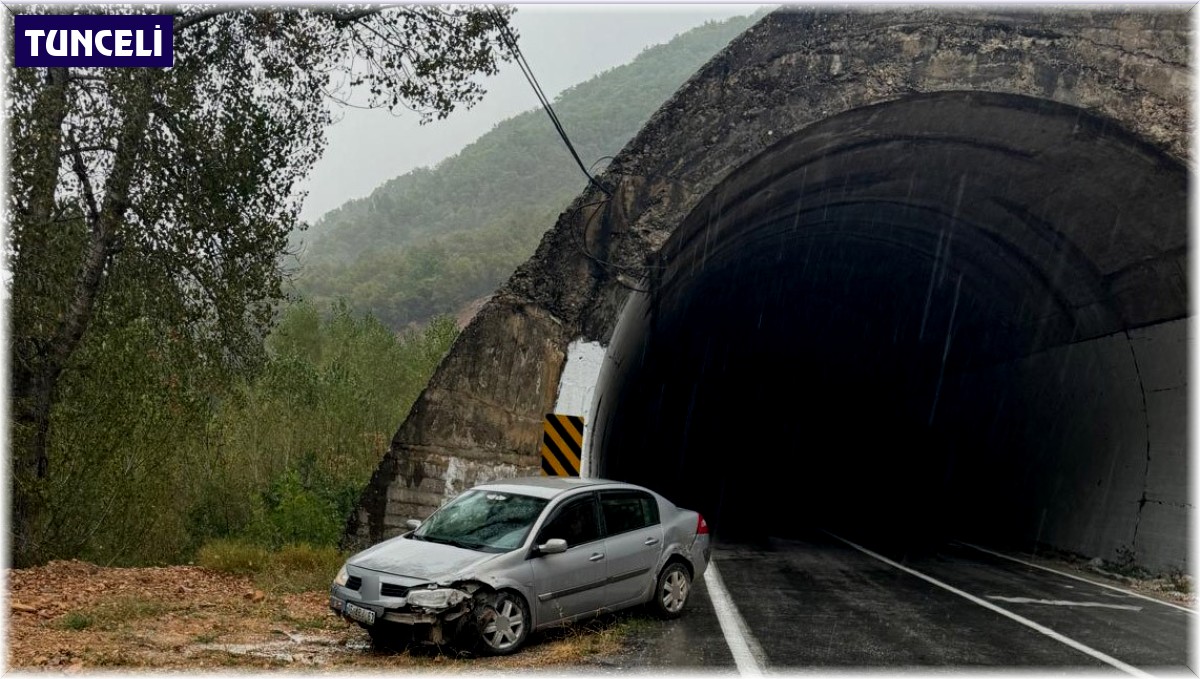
(579, 239)
(511, 42)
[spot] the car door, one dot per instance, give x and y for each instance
(633, 544)
(570, 583)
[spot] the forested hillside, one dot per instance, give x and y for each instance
(430, 241)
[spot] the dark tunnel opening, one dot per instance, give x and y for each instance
(926, 319)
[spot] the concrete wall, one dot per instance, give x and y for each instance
(577, 390)
(1090, 442)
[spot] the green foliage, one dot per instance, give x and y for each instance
(434, 239)
(158, 202)
(288, 455)
(290, 568)
(77, 621)
(157, 454)
(292, 511)
(234, 557)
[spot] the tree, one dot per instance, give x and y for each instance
(166, 196)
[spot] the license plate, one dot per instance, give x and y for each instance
(363, 615)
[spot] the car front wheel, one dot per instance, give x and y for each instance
(503, 623)
(674, 588)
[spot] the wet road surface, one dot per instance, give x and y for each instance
(820, 602)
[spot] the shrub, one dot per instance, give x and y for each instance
(301, 568)
(233, 557)
(292, 568)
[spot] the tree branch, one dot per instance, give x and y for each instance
(86, 149)
(81, 172)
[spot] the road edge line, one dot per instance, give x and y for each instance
(1061, 638)
(747, 654)
(1077, 577)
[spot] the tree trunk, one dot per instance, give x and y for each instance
(36, 382)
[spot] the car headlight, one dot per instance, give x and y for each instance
(435, 598)
(342, 578)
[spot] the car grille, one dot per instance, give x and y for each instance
(388, 589)
(354, 582)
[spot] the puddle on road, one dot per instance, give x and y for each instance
(304, 649)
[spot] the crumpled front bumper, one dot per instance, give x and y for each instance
(395, 609)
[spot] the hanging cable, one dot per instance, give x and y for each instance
(618, 270)
(511, 42)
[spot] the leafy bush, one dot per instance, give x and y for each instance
(303, 568)
(233, 556)
(292, 568)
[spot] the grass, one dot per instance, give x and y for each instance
(113, 614)
(77, 621)
(291, 569)
(1179, 581)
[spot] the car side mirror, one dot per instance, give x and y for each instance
(412, 524)
(554, 546)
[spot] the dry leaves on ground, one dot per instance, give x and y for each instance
(72, 615)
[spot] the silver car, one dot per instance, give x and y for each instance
(506, 558)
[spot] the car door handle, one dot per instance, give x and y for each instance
(596, 557)
(651, 541)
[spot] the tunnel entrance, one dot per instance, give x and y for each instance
(957, 314)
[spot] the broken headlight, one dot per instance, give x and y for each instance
(435, 598)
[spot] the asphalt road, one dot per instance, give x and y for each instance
(820, 602)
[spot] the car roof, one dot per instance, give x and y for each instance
(547, 486)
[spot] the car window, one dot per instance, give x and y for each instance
(483, 520)
(574, 522)
(626, 510)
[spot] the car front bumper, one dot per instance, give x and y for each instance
(343, 601)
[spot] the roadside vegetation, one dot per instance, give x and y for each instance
(179, 398)
(157, 456)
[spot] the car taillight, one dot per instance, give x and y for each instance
(701, 525)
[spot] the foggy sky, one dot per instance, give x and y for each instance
(564, 44)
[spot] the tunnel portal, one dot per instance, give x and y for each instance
(841, 333)
(953, 239)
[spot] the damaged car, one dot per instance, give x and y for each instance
(507, 558)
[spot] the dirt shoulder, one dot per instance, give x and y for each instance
(71, 615)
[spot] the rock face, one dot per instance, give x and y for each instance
(480, 417)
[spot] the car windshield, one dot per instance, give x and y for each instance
(483, 520)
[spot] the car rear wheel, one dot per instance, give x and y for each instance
(503, 623)
(673, 590)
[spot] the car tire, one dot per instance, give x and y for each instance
(672, 592)
(503, 623)
(390, 637)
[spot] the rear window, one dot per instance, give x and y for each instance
(626, 510)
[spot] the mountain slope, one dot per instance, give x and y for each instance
(431, 240)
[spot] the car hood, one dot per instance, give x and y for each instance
(419, 560)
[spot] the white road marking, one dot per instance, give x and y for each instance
(747, 654)
(1098, 655)
(1059, 602)
(1130, 592)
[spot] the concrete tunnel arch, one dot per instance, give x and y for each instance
(883, 272)
(1016, 182)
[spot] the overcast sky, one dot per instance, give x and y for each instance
(564, 44)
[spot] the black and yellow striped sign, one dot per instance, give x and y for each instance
(562, 445)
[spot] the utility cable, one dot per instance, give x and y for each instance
(511, 42)
(580, 242)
